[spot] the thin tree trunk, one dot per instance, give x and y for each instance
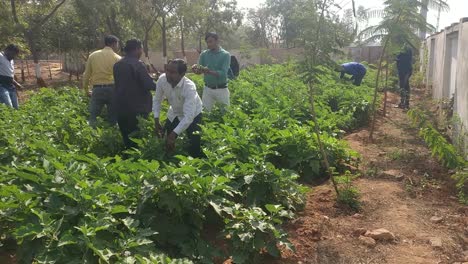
(146, 49)
(423, 12)
(319, 140)
(164, 38)
(27, 68)
(50, 70)
(23, 79)
(182, 39)
(386, 90)
(376, 92)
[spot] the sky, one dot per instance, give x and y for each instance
(458, 9)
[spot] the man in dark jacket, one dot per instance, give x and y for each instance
(405, 70)
(133, 86)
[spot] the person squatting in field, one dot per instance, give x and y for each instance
(99, 73)
(356, 70)
(133, 86)
(214, 63)
(185, 111)
(8, 84)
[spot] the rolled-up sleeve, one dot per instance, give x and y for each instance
(190, 98)
(158, 98)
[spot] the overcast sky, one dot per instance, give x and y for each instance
(458, 9)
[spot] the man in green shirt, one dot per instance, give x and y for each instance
(214, 63)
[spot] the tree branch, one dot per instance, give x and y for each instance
(13, 11)
(50, 14)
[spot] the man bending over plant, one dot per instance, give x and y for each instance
(185, 111)
(8, 94)
(356, 70)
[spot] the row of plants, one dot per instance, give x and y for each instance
(443, 150)
(71, 194)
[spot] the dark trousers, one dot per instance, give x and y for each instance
(103, 95)
(128, 124)
(404, 88)
(194, 149)
(357, 79)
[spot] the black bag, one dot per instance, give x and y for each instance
(234, 69)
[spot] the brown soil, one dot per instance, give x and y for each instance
(323, 233)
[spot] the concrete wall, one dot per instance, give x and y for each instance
(447, 72)
(370, 54)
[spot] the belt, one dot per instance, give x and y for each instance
(218, 86)
(102, 85)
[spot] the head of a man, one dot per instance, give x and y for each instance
(112, 41)
(175, 71)
(212, 41)
(339, 68)
(11, 52)
(133, 48)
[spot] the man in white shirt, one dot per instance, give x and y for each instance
(8, 94)
(185, 111)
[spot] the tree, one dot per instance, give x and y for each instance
(165, 9)
(220, 16)
(400, 25)
(425, 5)
(263, 30)
(322, 36)
(29, 18)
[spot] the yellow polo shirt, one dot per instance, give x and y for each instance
(100, 68)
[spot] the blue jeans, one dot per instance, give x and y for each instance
(8, 95)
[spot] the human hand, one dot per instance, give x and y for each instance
(170, 142)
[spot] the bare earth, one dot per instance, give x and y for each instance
(402, 201)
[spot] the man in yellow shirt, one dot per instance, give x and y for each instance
(99, 74)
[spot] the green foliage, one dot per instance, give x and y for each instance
(69, 196)
(439, 145)
(443, 150)
(348, 195)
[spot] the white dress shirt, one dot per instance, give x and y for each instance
(7, 68)
(185, 104)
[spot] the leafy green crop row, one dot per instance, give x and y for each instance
(443, 150)
(68, 196)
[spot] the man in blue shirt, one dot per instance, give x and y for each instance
(356, 70)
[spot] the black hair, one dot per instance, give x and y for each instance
(132, 45)
(211, 35)
(181, 65)
(110, 40)
(12, 47)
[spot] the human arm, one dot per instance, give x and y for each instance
(190, 107)
(145, 78)
(222, 72)
(157, 101)
(87, 75)
(17, 84)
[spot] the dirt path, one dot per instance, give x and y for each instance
(402, 187)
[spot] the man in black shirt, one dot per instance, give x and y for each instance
(133, 86)
(405, 70)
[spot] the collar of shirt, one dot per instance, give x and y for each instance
(219, 50)
(180, 84)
